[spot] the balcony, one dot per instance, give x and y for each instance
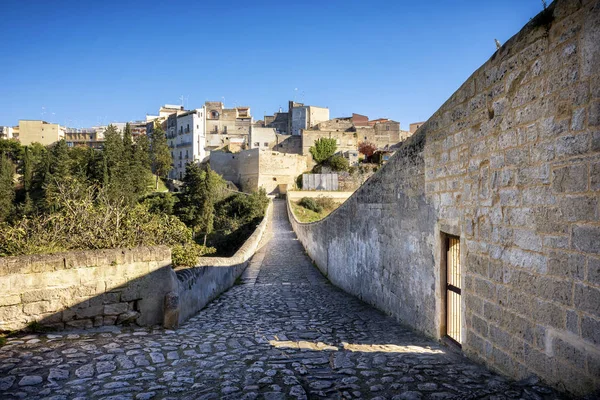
(185, 144)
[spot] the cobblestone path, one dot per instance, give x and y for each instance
(285, 332)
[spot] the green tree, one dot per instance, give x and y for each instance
(338, 163)
(127, 142)
(323, 149)
(12, 149)
(160, 154)
(57, 169)
(7, 188)
(201, 189)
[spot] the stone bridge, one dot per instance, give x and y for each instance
(283, 332)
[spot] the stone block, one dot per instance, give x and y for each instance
(41, 307)
(586, 238)
(542, 152)
(578, 120)
(593, 272)
(595, 175)
(559, 291)
(594, 114)
(110, 320)
(500, 337)
(579, 208)
(89, 312)
(590, 329)
(128, 317)
(587, 299)
(80, 324)
(527, 240)
(111, 297)
(571, 178)
(572, 145)
(556, 242)
(479, 325)
(517, 156)
(569, 265)
(572, 322)
(547, 313)
(10, 300)
(567, 352)
(115, 309)
(10, 313)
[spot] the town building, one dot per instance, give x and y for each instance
(305, 117)
(37, 131)
(350, 132)
(414, 126)
(187, 139)
(7, 132)
(227, 127)
(86, 137)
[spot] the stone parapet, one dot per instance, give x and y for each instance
(83, 289)
(511, 165)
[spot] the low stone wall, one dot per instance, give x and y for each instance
(296, 195)
(212, 276)
(83, 289)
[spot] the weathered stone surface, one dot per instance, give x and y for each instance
(285, 333)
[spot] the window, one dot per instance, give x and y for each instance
(256, 144)
(387, 127)
(225, 129)
(266, 144)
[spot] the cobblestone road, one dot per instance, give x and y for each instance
(285, 332)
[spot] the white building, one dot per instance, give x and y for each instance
(6, 132)
(187, 140)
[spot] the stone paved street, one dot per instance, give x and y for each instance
(284, 332)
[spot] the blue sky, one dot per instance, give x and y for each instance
(81, 63)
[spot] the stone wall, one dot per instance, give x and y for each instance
(85, 288)
(214, 275)
(279, 168)
(511, 165)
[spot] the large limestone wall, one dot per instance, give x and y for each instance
(511, 164)
(86, 288)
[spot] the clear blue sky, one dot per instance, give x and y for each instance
(102, 61)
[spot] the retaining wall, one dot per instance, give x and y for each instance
(213, 275)
(511, 165)
(84, 289)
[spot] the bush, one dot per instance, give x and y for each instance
(323, 149)
(160, 203)
(86, 218)
(338, 163)
(187, 255)
(299, 181)
(310, 204)
(326, 203)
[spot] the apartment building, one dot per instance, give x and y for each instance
(32, 131)
(186, 136)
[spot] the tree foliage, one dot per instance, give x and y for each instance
(86, 217)
(201, 189)
(323, 149)
(7, 188)
(338, 163)
(159, 153)
(367, 148)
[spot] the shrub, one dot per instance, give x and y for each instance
(310, 204)
(187, 255)
(299, 181)
(338, 163)
(326, 203)
(160, 203)
(86, 218)
(367, 148)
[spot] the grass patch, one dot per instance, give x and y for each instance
(161, 184)
(327, 205)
